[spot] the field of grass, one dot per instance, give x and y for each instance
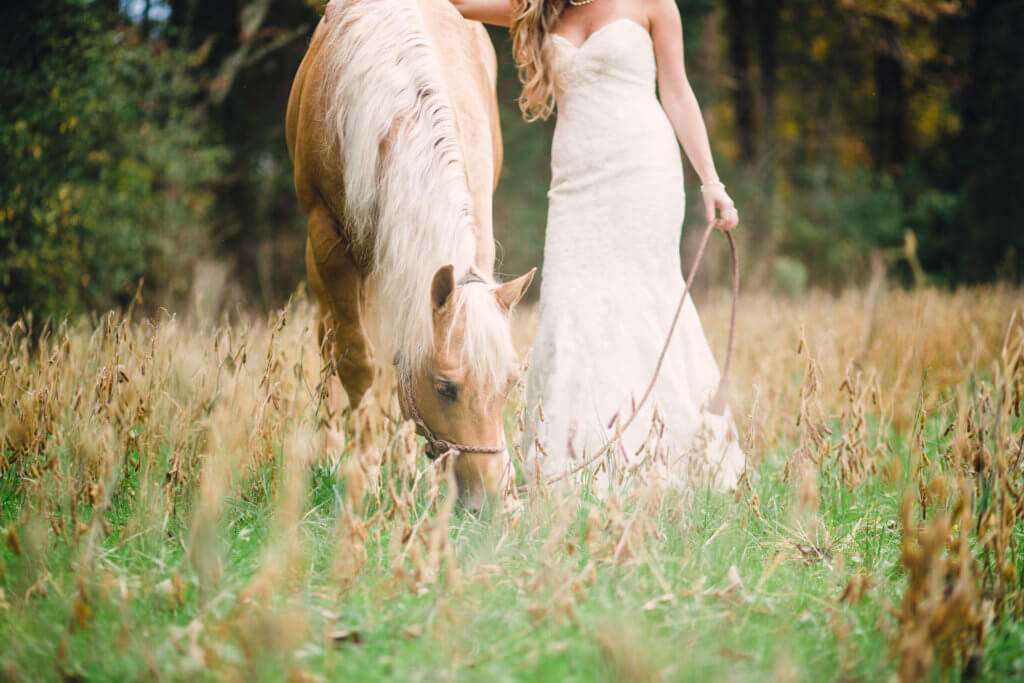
(167, 512)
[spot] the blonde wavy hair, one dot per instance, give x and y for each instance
(533, 21)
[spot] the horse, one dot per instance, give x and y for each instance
(396, 152)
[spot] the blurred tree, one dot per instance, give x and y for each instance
(133, 130)
(890, 127)
(107, 169)
(767, 22)
(248, 54)
(739, 15)
(921, 91)
(988, 149)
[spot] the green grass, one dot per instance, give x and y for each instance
(224, 548)
(512, 613)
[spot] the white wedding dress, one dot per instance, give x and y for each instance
(612, 282)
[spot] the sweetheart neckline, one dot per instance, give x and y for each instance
(582, 45)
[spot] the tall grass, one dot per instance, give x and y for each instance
(168, 509)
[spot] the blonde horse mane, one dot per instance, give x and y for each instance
(408, 209)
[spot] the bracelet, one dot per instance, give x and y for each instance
(714, 183)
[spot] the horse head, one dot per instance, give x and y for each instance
(457, 395)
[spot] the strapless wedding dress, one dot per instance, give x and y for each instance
(612, 282)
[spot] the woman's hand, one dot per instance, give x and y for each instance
(715, 197)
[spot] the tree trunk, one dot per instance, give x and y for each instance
(890, 124)
(737, 26)
(767, 32)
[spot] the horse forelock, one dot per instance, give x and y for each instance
(487, 351)
(407, 203)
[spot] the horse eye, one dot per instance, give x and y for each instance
(446, 390)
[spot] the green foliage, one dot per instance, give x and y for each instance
(985, 156)
(109, 168)
(246, 57)
(861, 120)
(837, 218)
(838, 126)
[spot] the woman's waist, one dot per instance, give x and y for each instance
(612, 106)
(612, 130)
(595, 240)
(650, 167)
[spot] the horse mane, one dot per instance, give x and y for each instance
(408, 209)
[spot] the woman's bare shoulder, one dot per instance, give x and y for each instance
(659, 9)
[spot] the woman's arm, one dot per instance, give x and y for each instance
(681, 106)
(497, 12)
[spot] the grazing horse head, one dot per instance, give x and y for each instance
(457, 393)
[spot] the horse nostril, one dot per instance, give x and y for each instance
(473, 501)
(467, 506)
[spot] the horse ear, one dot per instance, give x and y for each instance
(510, 293)
(442, 287)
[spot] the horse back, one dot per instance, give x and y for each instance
(307, 131)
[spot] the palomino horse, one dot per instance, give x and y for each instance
(396, 151)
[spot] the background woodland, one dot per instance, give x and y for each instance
(144, 140)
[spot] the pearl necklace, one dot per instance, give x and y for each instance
(580, 3)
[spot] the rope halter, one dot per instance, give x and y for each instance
(436, 447)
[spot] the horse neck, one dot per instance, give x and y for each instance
(408, 238)
(467, 68)
(484, 259)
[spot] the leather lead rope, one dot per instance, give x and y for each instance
(718, 403)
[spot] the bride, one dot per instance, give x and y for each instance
(611, 256)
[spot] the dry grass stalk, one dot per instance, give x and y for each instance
(180, 424)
